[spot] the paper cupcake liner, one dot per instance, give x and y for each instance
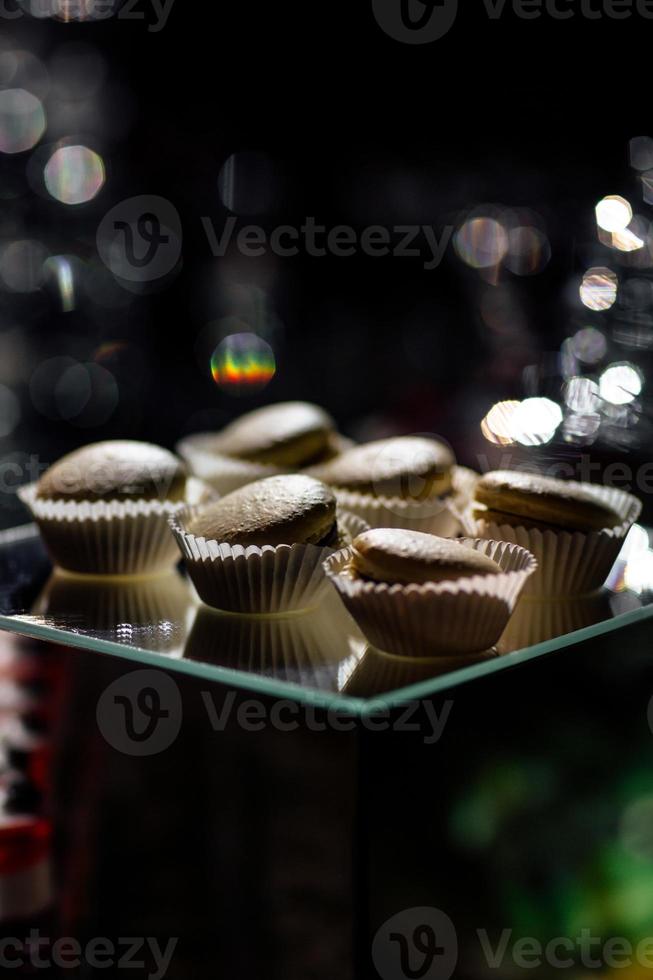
(305, 648)
(571, 563)
(224, 473)
(537, 620)
(436, 619)
(257, 580)
(153, 611)
(112, 537)
(436, 515)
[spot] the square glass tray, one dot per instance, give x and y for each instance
(318, 657)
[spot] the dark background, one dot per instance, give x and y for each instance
(348, 126)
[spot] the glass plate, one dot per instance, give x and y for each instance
(318, 657)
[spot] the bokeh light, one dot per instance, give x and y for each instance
(70, 11)
(21, 265)
(620, 384)
(481, 242)
(529, 251)
(637, 557)
(86, 394)
(23, 70)
(61, 269)
(15, 355)
(532, 422)
(22, 120)
(636, 542)
(74, 174)
(636, 294)
(589, 345)
(647, 186)
(243, 363)
(635, 332)
(110, 349)
(581, 428)
(598, 290)
(627, 241)
(498, 424)
(536, 421)
(568, 361)
(618, 415)
(641, 153)
(581, 395)
(613, 213)
(248, 183)
(40, 9)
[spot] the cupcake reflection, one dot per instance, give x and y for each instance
(153, 613)
(537, 620)
(376, 672)
(303, 648)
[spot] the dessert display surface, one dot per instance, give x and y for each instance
(318, 656)
(339, 585)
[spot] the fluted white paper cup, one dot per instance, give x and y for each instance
(570, 563)
(435, 515)
(225, 473)
(263, 580)
(464, 616)
(111, 537)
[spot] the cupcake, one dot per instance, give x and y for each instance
(406, 482)
(575, 530)
(417, 595)
(103, 509)
(260, 549)
(280, 438)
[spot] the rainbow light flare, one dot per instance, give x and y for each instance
(243, 362)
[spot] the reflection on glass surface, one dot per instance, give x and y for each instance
(151, 613)
(321, 651)
(304, 648)
(536, 620)
(374, 672)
